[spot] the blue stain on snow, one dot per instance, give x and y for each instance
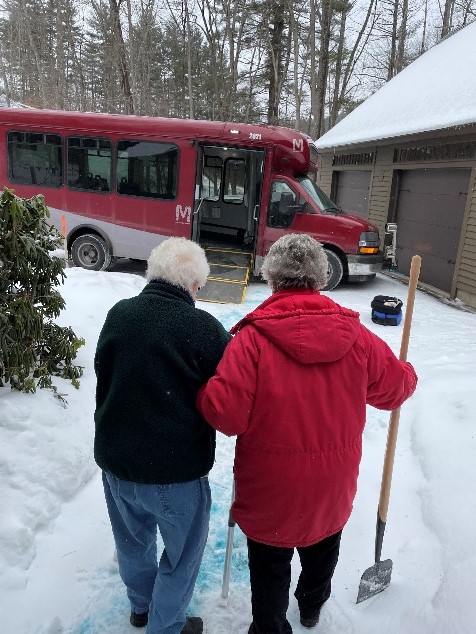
(85, 627)
(211, 570)
(111, 614)
(108, 617)
(231, 318)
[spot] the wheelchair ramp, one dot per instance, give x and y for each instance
(229, 275)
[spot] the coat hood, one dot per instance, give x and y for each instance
(307, 326)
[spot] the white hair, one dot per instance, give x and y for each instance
(295, 261)
(180, 262)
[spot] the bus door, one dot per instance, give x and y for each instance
(229, 183)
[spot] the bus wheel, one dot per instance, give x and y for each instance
(91, 252)
(335, 270)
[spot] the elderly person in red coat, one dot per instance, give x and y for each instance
(293, 386)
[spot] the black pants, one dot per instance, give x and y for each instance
(270, 577)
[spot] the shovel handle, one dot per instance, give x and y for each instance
(225, 588)
(395, 415)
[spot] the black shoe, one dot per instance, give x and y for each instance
(139, 620)
(310, 621)
(193, 625)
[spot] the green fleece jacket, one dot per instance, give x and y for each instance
(154, 351)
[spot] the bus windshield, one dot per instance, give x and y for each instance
(323, 201)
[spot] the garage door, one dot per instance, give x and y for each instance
(352, 191)
(429, 216)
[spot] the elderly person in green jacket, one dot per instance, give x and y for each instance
(155, 449)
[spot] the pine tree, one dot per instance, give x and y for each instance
(33, 348)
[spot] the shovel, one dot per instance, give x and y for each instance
(376, 578)
(225, 589)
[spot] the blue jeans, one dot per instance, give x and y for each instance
(182, 513)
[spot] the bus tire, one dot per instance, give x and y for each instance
(335, 270)
(91, 252)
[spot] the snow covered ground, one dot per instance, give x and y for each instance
(57, 573)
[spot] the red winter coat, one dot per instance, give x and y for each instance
(293, 385)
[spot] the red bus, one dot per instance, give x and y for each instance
(124, 183)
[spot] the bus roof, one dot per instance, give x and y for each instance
(217, 131)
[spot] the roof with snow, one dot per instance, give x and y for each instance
(436, 91)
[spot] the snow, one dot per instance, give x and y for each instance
(11, 104)
(57, 571)
(436, 91)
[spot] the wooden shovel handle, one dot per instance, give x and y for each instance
(395, 415)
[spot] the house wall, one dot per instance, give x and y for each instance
(380, 188)
(465, 283)
(324, 175)
(384, 190)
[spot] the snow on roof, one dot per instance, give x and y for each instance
(436, 91)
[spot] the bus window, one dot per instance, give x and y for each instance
(35, 158)
(234, 187)
(89, 164)
(211, 179)
(283, 204)
(145, 168)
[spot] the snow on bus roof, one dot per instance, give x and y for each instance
(436, 91)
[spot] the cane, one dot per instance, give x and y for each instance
(225, 589)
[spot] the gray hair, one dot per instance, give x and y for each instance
(295, 261)
(180, 262)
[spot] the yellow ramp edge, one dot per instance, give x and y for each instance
(229, 275)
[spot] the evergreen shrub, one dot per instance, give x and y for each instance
(33, 348)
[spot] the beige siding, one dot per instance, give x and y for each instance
(380, 189)
(466, 276)
(324, 176)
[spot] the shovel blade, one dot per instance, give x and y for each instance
(375, 579)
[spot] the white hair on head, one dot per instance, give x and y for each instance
(295, 261)
(180, 262)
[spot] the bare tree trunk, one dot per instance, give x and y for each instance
(402, 38)
(38, 62)
(61, 89)
(77, 71)
(189, 61)
(114, 6)
(468, 10)
(323, 69)
(257, 52)
(393, 44)
(312, 130)
(234, 32)
(3, 75)
(296, 86)
(275, 23)
(210, 30)
(133, 57)
(425, 26)
(447, 13)
(334, 106)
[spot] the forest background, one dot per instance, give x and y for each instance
(287, 62)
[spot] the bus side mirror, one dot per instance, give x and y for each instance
(390, 249)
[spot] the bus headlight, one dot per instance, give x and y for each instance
(369, 243)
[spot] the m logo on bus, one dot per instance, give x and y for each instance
(298, 145)
(183, 214)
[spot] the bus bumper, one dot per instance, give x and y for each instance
(364, 267)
